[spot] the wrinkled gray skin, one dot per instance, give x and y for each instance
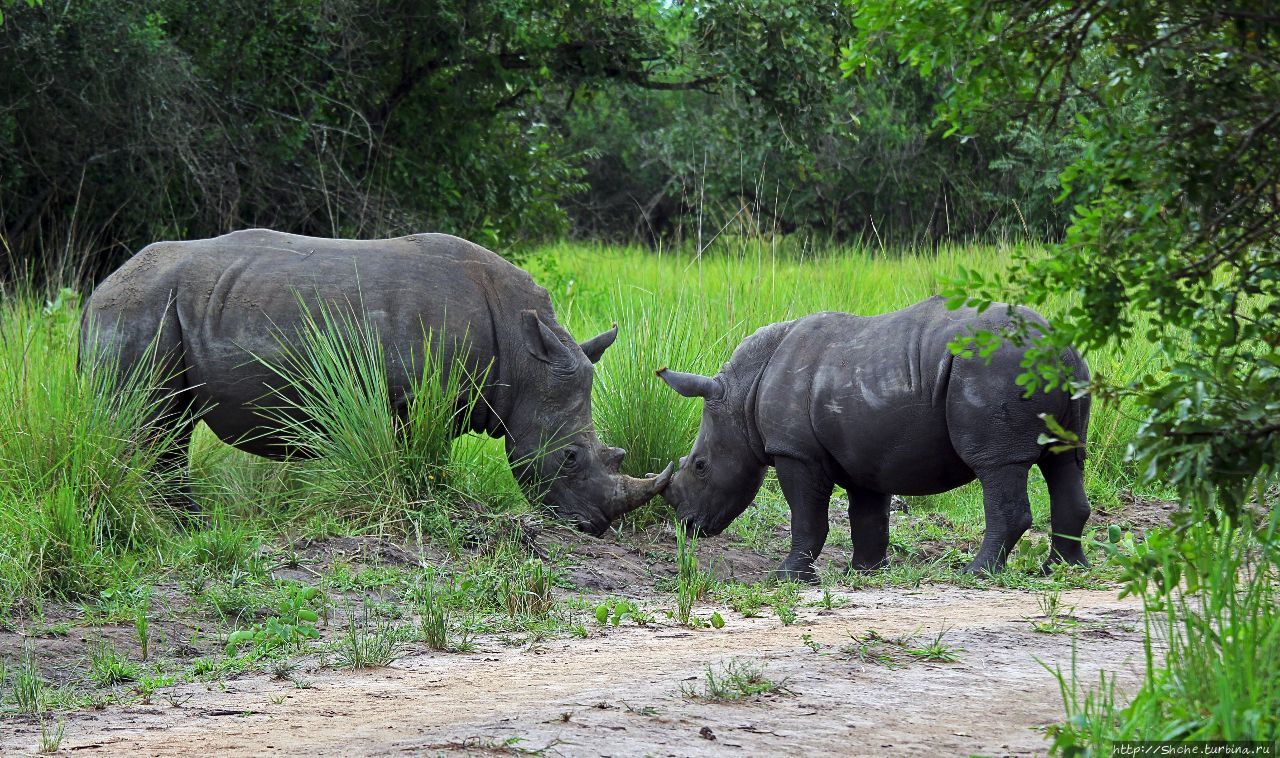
(211, 305)
(880, 406)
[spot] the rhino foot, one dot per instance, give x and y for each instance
(1070, 560)
(868, 566)
(800, 574)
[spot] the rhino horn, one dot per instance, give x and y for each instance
(636, 492)
(691, 385)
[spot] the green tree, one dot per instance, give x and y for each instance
(1174, 236)
(1174, 228)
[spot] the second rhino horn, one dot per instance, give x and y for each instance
(691, 385)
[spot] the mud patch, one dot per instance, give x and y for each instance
(1137, 514)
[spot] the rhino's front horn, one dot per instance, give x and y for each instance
(636, 492)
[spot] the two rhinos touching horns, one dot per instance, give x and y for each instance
(877, 405)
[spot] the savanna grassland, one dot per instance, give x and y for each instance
(383, 550)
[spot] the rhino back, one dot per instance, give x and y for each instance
(869, 394)
(237, 297)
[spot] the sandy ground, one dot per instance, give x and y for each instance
(618, 692)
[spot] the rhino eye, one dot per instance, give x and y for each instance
(700, 466)
(570, 458)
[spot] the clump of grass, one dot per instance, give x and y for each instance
(733, 680)
(1211, 592)
(873, 647)
(108, 667)
(527, 590)
(51, 734)
(29, 688)
(224, 544)
(76, 454)
(367, 642)
(142, 628)
(692, 583)
(366, 451)
(438, 626)
(1055, 616)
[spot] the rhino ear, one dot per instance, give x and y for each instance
(595, 347)
(692, 385)
(543, 343)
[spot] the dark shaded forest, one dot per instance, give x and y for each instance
(505, 122)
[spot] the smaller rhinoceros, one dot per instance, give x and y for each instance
(880, 406)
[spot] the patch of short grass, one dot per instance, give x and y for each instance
(733, 680)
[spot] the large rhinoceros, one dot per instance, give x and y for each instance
(215, 309)
(880, 406)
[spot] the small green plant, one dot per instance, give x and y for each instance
(810, 642)
(785, 610)
(934, 650)
(51, 733)
(148, 685)
(29, 688)
(692, 583)
(436, 623)
(830, 601)
(527, 590)
(367, 642)
(1055, 618)
(893, 652)
(872, 647)
(294, 624)
(142, 628)
(107, 667)
(736, 679)
(615, 610)
(283, 668)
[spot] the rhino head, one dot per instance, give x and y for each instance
(721, 475)
(551, 443)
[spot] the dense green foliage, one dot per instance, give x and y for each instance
(505, 122)
(1174, 221)
(1175, 192)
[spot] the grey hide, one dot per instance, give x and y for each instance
(210, 306)
(881, 407)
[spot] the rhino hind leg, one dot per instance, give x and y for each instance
(1008, 514)
(175, 465)
(869, 529)
(807, 489)
(1068, 508)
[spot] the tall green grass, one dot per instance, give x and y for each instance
(689, 312)
(372, 463)
(1211, 594)
(76, 456)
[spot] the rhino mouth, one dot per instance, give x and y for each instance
(596, 527)
(701, 529)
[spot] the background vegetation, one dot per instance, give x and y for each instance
(1131, 148)
(123, 123)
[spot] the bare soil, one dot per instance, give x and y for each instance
(619, 692)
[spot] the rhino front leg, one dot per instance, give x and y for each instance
(1008, 512)
(808, 491)
(869, 528)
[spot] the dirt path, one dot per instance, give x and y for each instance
(618, 693)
